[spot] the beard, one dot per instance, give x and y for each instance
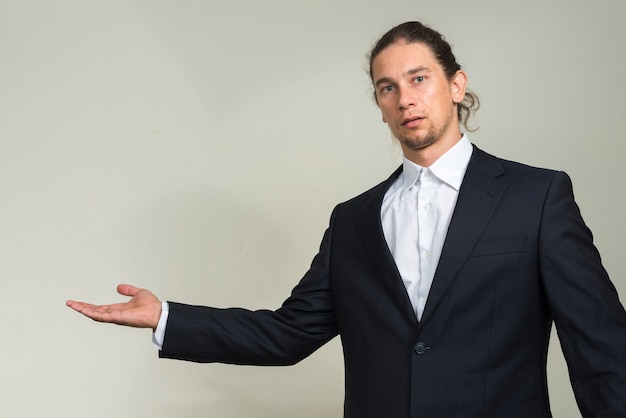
(420, 141)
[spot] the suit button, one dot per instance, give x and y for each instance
(420, 348)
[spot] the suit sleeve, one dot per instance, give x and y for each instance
(304, 322)
(590, 320)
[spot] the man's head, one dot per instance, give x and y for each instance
(419, 86)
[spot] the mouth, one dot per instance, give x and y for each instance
(412, 122)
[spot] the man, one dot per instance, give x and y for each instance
(442, 281)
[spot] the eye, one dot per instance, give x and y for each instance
(386, 90)
(419, 79)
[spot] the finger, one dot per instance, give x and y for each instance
(77, 306)
(127, 290)
(72, 304)
(84, 308)
(101, 313)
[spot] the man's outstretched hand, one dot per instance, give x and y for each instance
(141, 311)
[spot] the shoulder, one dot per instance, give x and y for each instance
(375, 193)
(519, 178)
(498, 167)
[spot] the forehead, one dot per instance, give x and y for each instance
(401, 57)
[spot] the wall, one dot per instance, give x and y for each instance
(197, 149)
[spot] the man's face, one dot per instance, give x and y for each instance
(416, 98)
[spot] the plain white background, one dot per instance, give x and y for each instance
(197, 148)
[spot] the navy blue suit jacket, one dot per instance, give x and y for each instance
(517, 257)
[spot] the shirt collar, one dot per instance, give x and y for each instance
(449, 168)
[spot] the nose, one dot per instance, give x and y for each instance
(406, 99)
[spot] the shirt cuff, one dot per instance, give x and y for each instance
(159, 333)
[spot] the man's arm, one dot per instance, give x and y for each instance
(590, 320)
(305, 321)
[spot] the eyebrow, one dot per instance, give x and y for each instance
(412, 71)
(420, 69)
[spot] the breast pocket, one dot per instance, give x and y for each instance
(500, 246)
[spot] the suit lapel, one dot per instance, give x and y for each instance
(479, 196)
(369, 228)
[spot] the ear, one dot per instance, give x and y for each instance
(457, 86)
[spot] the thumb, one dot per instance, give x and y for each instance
(127, 290)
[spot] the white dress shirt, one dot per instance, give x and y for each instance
(414, 232)
(416, 213)
(159, 333)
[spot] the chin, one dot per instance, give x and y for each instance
(418, 143)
